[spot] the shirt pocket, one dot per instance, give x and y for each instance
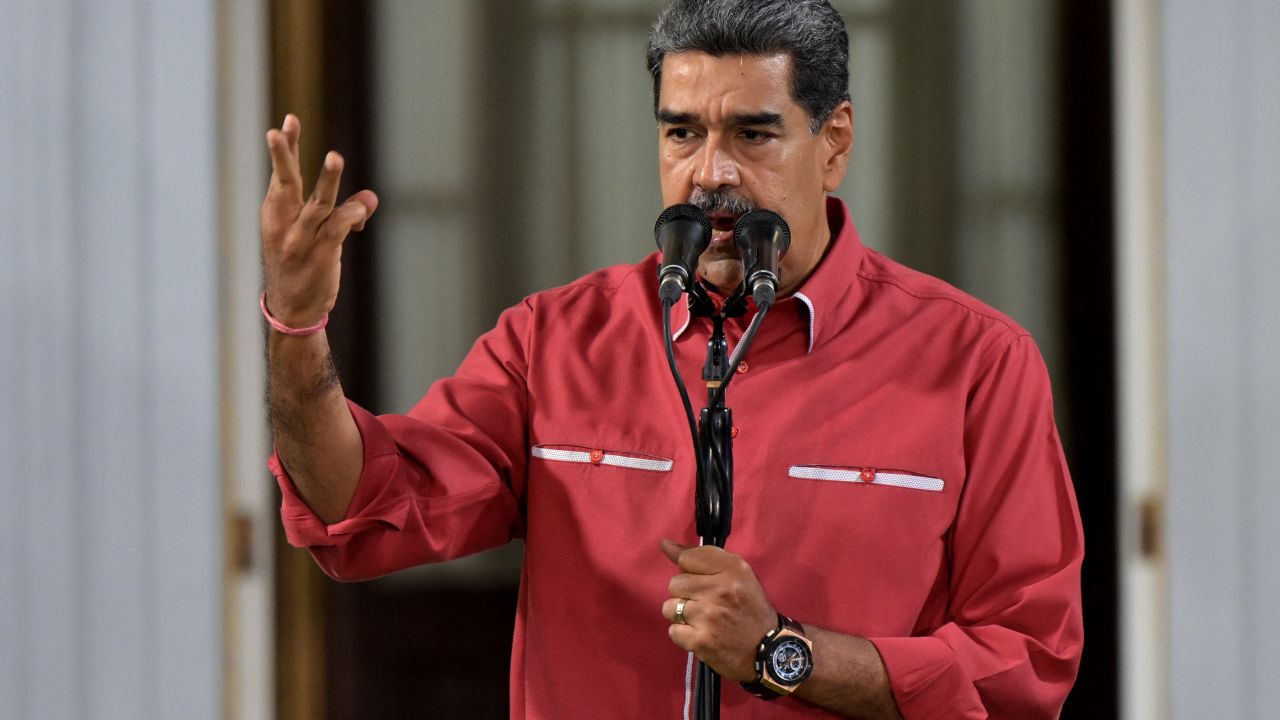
(601, 457)
(586, 506)
(868, 476)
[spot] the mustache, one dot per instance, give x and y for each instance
(720, 201)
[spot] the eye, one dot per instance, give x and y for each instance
(680, 134)
(756, 136)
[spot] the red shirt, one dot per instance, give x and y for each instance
(898, 476)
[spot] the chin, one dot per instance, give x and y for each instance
(723, 273)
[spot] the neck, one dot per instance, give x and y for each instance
(802, 266)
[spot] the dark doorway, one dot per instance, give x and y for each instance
(1088, 214)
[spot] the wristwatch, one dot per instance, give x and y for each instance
(784, 659)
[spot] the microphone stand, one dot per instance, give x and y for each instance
(713, 444)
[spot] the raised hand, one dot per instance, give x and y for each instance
(313, 430)
(302, 241)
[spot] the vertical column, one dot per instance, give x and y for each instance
(12, 598)
(249, 632)
(1222, 161)
(1261, 508)
(112, 189)
(177, 131)
(111, 550)
(48, 421)
(1140, 367)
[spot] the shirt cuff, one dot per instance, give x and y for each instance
(373, 505)
(927, 680)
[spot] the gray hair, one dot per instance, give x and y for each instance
(810, 31)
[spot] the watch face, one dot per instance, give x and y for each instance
(790, 661)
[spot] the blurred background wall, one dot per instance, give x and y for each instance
(110, 451)
(1105, 172)
(1221, 111)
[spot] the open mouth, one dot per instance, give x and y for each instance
(722, 224)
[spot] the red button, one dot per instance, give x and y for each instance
(597, 456)
(743, 367)
(868, 475)
(733, 431)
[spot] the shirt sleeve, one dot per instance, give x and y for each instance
(443, 481)
(1012, 645)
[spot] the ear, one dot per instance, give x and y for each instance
(837, 136)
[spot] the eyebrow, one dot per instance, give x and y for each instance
(764, 118)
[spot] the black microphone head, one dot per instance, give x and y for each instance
(762, 238)
(757, 229)
(683, 212)
(682, 233)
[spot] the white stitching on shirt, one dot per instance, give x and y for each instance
(800, 296)
(687, 318)
(895, 479)
(812, 317)
(808, 472)
(688, 685)
(915, 482)
(688, 676)
(630, 462)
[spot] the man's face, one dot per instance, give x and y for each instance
(732, 138)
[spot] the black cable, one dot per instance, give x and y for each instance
(707, 697)
(739, 353)
(684, 394)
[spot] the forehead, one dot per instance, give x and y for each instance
(716, 86)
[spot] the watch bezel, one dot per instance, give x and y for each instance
(766, 685)
(765, 666)
(778, 668)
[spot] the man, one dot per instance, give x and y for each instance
(901, 492)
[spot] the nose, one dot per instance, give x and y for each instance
(717, 168)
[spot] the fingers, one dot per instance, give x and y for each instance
(672, 549)
(682, 634)
(349, 216)
(685, 637)
(722, 608)
(673, 603)
(284, 165)
(284, 207)
(292, 129)
(691, 585)
(325, 192)
(325, 195)
(370, 202)
(703, 560)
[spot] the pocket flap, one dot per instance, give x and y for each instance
(600, 456)
(867, 476)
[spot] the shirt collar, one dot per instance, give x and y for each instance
(825, 294)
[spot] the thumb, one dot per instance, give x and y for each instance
(672, 549)
(370, 201)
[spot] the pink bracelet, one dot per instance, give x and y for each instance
(281, 327)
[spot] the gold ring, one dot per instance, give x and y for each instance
(680, 611)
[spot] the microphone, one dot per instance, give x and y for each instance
(762, 237)
(682, 233)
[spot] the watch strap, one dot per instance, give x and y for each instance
(757, 688)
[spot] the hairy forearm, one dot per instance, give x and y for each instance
(314, 433)
(848, 677)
